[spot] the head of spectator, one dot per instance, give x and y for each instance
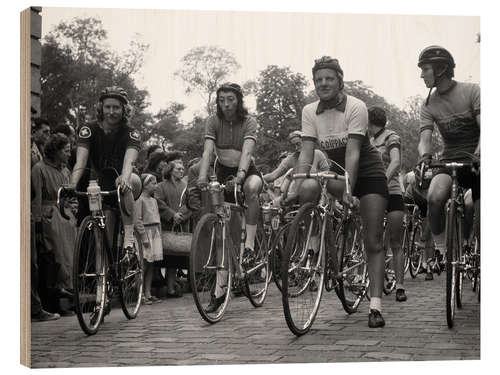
(328, 78)
(40, 131)
(113, 108)
(230, 102)
(68, 131)
(57, 150)
(174, 155)
(174, 170)
(295, 139)
(377, 120)
(156, 164)
(150, 150)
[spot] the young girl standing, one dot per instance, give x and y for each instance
(149, 231)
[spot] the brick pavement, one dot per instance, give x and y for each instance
(173, 333)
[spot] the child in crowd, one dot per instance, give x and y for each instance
(148, 228)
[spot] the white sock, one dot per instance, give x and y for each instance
(440, 242)
(376, 303)
(399, 286)
(128, 237)
(251, 229)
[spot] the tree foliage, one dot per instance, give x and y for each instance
(77, 64)
(204, 69)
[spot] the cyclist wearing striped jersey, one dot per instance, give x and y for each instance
(338, 123)
(388, 143)
(454, 107)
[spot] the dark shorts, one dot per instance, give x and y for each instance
(371, 185)
(225, 173)
(395, 203)
(420, 201)
(466, 179)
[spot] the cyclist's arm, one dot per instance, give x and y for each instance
(425, 143)
(394, 164)
(128, 161)
(278, 172)
(82, 156)
(246, 158)
(208, 150)
(352, 152)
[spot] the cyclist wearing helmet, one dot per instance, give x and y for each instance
(111, 143)
(231, 134)
(290, 163)
(388, 143)
(454, 107)
(339, 124)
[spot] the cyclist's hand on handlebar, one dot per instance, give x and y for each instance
(348, 199)
(123, 184)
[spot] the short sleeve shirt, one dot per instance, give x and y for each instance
(454, 113)
(229, 137)
(332, 128)
(108, 150)
(384, 142)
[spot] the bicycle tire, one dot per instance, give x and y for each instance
(451, 273)
(130, 280)
(353, 281)
(277, 251)
(405, 246)
(302, 287)
(89, 277)
(203, 268)
(331, 261)
(415, 254)
(257, 270)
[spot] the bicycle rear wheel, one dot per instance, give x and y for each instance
(257, 269)
(210, 276)
(130, 280)
(302, 270)
(277, 251)
(451, 258)
(90, 266)
(353, 277)
(415, 253)
(405, 246)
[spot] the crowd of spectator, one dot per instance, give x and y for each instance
(161, 206)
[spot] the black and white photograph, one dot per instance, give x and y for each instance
(214, 187)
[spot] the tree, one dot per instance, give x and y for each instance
(77, 64)
(280, 99)
(204, 69)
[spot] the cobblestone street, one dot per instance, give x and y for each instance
(173, 333)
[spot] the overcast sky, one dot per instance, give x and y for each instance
(380, 50)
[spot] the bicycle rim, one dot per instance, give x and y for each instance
(206, 267)
(130, 280)
(415, 253)
(89, 276)
(406, 249)
(304, 270)
(451, 272)
(353, 278)
(257, 270)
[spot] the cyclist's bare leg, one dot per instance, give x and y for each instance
(469, 214)
(252, 188)
(128, 201)
(395, 226)
(372, 208)
(439, 192)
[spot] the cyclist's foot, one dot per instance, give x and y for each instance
(214, 304)
(44, 316)
(247, 261)
(400, 295)
(375, 319)
(429, 275)
(146, 301)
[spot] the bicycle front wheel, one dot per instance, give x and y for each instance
(89, 276)
(277, 251)
(210, 272)
(451, 266)
(405, 246)
(302, 270)
(257, 269)
(415, 253)
(130, 280)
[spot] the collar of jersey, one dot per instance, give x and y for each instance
(323, 105)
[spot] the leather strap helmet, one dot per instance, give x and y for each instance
(435, 54)
(114, 92)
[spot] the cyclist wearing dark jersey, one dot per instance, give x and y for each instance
(338, 123)
(231, 134)
(388, 143)
(454, 107)
(110, 144)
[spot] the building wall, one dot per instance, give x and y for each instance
(36, 57)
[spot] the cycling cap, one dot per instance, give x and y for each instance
(435, 54)
(326, 62)
(114, 92)
(294, 134)
(228, 86)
